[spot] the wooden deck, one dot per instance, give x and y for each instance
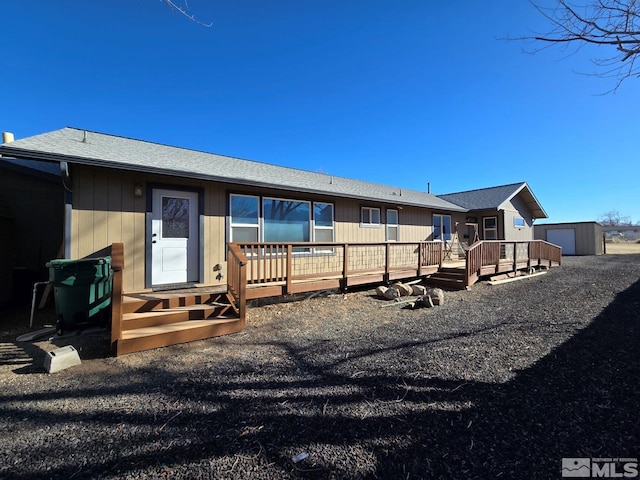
(142, 321)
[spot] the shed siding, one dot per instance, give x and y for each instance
(588, 235)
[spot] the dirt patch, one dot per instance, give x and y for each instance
(499, 382)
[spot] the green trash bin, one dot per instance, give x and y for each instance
(82, 291)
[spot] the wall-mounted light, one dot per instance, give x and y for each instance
(138, 191)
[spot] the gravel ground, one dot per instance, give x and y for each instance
(501, 382)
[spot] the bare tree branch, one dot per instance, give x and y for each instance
(613, 24)
(185, 11)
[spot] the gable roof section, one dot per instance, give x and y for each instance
(91, 148)
(494, 198)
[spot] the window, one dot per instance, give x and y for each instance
(393, 229)
(244, 222)
(323, 225)
(323, 222)
(518, 222)
(370, 216)
(280, 220)
(490, 228)
(286, 220)
(442, 227)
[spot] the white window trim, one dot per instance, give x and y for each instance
(260, 225)
(244, 225)
(485, 229)
(324, 227)
(369, 224)
(395, 226)
(441, 233)
(520, 227)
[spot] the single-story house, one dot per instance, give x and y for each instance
(577, 238)
(176, 209)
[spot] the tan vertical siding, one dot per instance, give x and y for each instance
(215, 235)
(517, 209)
(105, 211)
(415, 223)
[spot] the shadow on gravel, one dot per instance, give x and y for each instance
(580, 400)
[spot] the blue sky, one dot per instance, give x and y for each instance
(403, 93)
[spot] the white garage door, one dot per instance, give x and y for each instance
(565, 238)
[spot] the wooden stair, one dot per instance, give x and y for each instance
(158, 320)
(448, 278)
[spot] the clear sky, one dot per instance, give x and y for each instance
(401, 93)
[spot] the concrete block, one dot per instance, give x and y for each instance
(61, 358)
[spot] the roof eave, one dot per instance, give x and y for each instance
(47, 156)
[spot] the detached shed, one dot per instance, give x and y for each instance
(580, 238)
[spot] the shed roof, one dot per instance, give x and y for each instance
(495, 198)
(79, 146)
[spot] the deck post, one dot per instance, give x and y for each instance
(289, 272)
(387, 255)
(242, 294)
(117, 265)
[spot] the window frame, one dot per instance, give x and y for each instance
(393, 226)
(486, 229)
(441, 233)
(260, 225)
(264, 221)
(257, 225)
(519, 223)
(370, 223)
(315, 228)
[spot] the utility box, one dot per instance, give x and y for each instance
(82, 290)
(61, 358)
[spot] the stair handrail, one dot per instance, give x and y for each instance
(487, 252)
(237, 277)
(117, 266)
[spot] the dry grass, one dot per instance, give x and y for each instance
(620, 248)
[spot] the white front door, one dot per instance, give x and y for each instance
(174, 237)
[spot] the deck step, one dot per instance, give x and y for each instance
(136, 303)
(448, 278)
(160, 319)
(146, 338)
(175, 315)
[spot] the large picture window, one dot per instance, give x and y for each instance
(286, 220)
(442, 227)
(268, 219)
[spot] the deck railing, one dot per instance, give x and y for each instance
(237, 278)
(494, 256)
(274, 269)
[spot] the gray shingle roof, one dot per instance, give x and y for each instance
(91, 148)
(493, 198)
